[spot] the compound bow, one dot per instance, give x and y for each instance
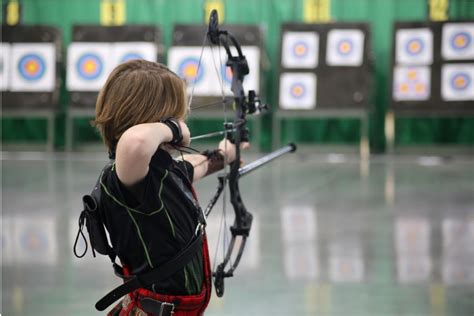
(243, 105)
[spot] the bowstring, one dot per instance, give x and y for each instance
(223, 223)
(183, 149)
(197, 72)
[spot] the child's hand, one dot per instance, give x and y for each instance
(228, 149)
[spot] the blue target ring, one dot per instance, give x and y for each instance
(130, 56)
(300, 49)
(460, 81)
(345, 47)
(298, 90)
(460, 40)
(415, 46)
(89, 66)
(189, 69)
(226, 74)
(34, 241)
(31, 67)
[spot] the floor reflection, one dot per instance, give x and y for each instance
(327, 238)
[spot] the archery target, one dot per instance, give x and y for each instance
(88, 65)
(33, 67)
(412, 237)
(413, 268)
(301, 261)
(300, 50)
(458, 41)
(35, 240)
(5, 57)
(411, 83)
(298, 91)
(458, 236)
(251, 81)
(458, 261)
(298, 223)
(184, 61)
(126, 51)
(414, 46)
(346, 265)
(457, 82)
(345, 48)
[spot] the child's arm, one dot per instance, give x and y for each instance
(137, 146)
(204, 166)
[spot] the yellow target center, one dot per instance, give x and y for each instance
(460, 82)
(460, 41)
(414, 47)
(190, 71)
(300, 49)
(419, 87)
(412, 75)
(33, 242)
(404, 87)
(345, 47)
(90, 67)
(31, 67)
(297, 91)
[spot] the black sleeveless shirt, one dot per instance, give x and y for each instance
(149, 231)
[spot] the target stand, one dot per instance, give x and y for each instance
(432, 72)
(30, 63)
(93, 53)
(325, 72)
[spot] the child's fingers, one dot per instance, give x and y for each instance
(245, 145)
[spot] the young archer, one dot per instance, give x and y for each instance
(146, 199)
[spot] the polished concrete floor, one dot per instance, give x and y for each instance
(332, 236)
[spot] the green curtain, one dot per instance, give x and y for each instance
(269, 14)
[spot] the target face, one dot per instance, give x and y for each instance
(414, 46)
(126, 51)
(190, 70)
(301, 261)
(346, 266)
(298, 223)
(345, 48)
(184, 61)
(458, 238)
(412, 236)
(35, 240)
(5, 66)
(413, 268)
(88, 65)
(411, 83)
(33, 67)
(458, 41)
(297, 91)
(300, 49)
(457, 82)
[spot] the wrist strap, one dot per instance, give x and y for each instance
(175, 128)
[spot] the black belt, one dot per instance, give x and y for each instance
(148, 278)
(155, 307)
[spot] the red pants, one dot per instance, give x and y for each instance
(185, 305)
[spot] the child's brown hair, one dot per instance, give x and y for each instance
(136, 92)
